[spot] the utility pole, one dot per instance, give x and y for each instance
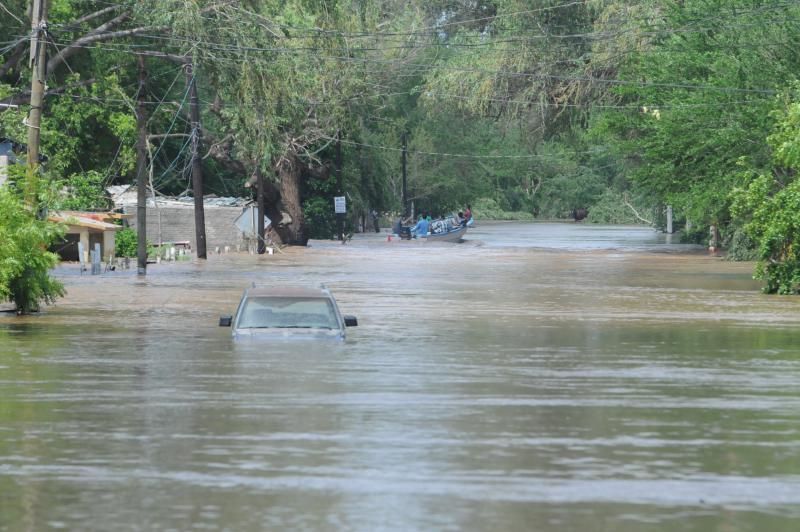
(197, 167)
(262, 244)
(339, 179)
(405, 177)
(141, 173)
(39, 64)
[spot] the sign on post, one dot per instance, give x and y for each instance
(339, 205)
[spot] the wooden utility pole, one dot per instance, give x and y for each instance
(339, 178)
(405, 179)
(39, 64)
(141, 173)
(262, 244)
(197, 167)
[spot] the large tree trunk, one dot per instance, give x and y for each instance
(289, 172)
(220, 150)
(272, 198)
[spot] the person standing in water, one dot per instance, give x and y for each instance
(375, 224)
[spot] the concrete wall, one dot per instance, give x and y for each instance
(177, 224)
(4, 162)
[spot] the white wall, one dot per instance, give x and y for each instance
(3, 168)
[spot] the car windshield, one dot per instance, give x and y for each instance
(288, 312)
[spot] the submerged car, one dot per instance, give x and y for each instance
(288, 311)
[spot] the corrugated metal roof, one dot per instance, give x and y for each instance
(90, 220)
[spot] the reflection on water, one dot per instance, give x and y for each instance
(529, 378)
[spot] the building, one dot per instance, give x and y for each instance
(171, 220)
(12, 152)
(87, 228)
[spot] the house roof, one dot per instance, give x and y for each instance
(90, 220)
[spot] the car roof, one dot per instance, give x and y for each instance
(287, 291)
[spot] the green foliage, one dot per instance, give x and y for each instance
(601, 103)
(696, 104)
(739, 245)
(488, 209)
(610, 208)
(775, 227)
(771, 200)
(320, 218)
(126, 242)
(83, 192)
(25, 261)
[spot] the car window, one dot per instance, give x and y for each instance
(267, 312)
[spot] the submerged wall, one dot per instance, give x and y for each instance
(175, 223)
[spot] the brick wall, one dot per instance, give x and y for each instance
(177, 224)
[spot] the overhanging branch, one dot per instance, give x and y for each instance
(94, 36)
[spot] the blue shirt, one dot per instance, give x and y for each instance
(421, 229)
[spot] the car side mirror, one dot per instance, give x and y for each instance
(350, 321)
(225, 321)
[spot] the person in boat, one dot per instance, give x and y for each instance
(438, 226)
(421, 229)
(468, 213)
(462, 220)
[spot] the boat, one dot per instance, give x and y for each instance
(441, 231)
(447, 230)
(452, 234)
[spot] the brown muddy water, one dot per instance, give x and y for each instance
(536, 377)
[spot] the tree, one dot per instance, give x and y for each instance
(771, 201)
(25, 261)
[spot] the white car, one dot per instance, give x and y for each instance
(301, 312)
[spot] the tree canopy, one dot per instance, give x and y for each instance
(530, 107)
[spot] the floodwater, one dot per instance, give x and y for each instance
(535, 377)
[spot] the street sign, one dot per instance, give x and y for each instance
(339, 205)
(247, 222)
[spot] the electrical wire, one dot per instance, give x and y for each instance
(531, 75)
(460, 155)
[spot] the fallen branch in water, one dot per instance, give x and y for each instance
(627, 204)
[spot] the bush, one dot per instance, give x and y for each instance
(488, 209)
(610, 208)
(771, 201)
(740, 246)
(775, 226)
(126, 243)
(319, 218)
(24, 257)
(697, 234)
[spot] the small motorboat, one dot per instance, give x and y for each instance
(449, 234)
(446, 230)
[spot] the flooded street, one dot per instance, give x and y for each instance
(535, 377)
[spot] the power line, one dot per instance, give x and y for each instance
(591, 37)
(532, 75)
(445, 96)
(172, 124)
(605, 34)
(435, 30)
(462, 155)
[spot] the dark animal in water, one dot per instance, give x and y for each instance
(579, 214)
